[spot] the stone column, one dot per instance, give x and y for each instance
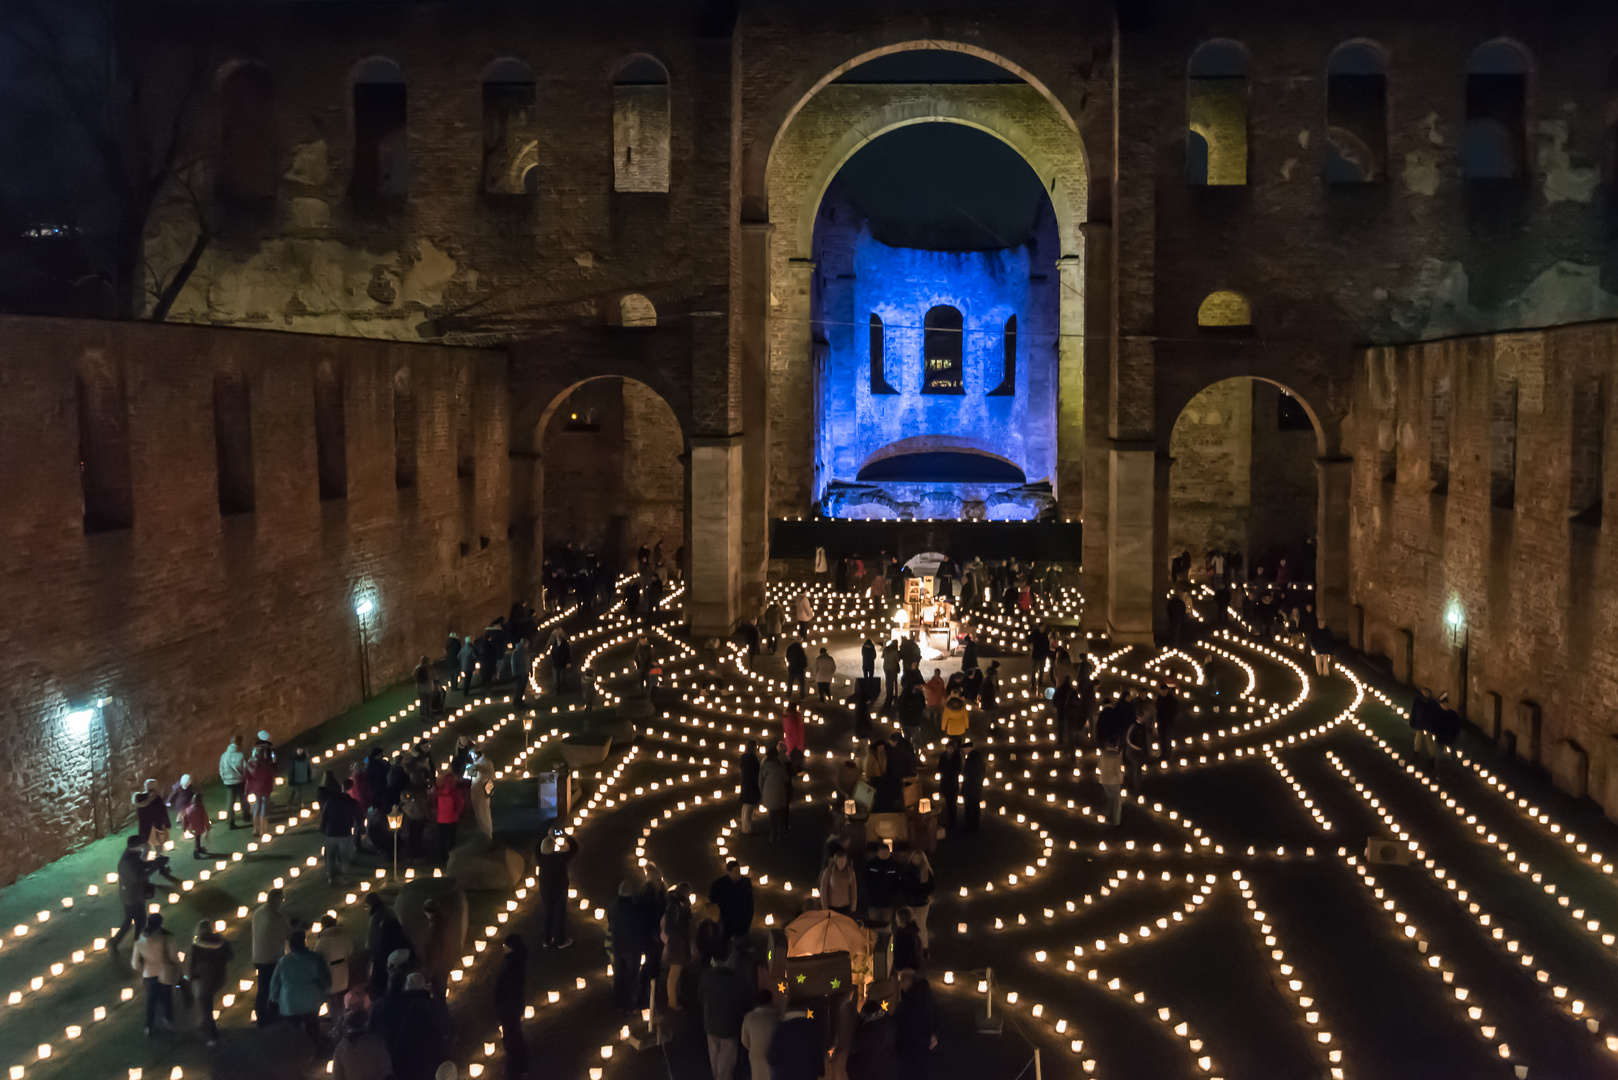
(1094, 446)
(1131, 509)
(1162, 465)
(1334, 479)
(714, 553)
(1070, 395)
(752, 301)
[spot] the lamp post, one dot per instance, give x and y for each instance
(362, 611)
(395, 819)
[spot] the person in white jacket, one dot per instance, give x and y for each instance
(824, 669)
(233, 774)
(803, 610)
(156, 959)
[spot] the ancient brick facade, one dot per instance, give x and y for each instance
(193, 624)
(1511, 604)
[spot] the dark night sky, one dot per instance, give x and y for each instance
(939, 185)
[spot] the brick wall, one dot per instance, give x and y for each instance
(199, 625)
(1532, 584)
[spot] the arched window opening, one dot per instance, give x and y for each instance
(1226, 309)
(331, 432)
(510, 122)
(103, 414)
(941, 352)
(404, 431)
(879, 375)
(1588, 432)
(1008, 369)
(1216, 115)
(466, 454)
(635, 310)
(1495, 144)
(248, 154)
(233, 442)
(381, 130)
(640, 126)
(1356, 115)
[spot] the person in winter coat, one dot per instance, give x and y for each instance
(468, 663)
(152, 821)
(949, 781)
(732, 894)
(207, 969)
(872, 1055)
(418, 807)
(555, 852)
(482, 795)
(772, 785)
(868, 659)
(338, 812)
(839, 886)
(797, 666)
(627, 933)
(954, 718)
(418, 1032)
(803, 611)
(674, 930)
(747, 769)
(933, 690)
(881, 886)
(916, 1026)
(185, 803)
(798, 1050)
(385, 937)
(300, 984)
(335, 947)
(916, 890)
(510, 999)
(758, 1031)
(135, 871)
(450, 799)
(890, 673)
(156, 959)
(1110, 771)
(1168, 710)
(233, 774)
(989, 692)
(561, 655)
(271, 928)
(774, 622)
(643, 660)
(725, 999)
(440, 950)
(907, 949)
(973, 769)
(792, 729)
(261, 776)
(825, 670)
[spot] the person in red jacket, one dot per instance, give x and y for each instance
(450, 797)
(261, 774)
(792, 729)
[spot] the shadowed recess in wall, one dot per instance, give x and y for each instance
(943, 466)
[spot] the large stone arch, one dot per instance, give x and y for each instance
(544, 372)
(816, 126)
(1178, 384)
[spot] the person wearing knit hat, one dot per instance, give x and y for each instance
(185, 803)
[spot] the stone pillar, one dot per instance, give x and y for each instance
(1096, 373)
(1070, 395)
(1162, 465)
(752, 299)
(1334, 479)
(1131, 510)
(714, 551)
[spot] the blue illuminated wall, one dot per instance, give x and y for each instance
(857, 276)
